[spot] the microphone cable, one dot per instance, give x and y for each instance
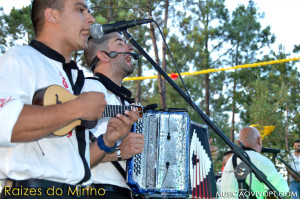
(177, 69)
(179, 74)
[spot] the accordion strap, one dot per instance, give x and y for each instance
(119, 168)
(115, 163)
(124, 95)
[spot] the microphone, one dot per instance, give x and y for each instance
(135, 56)
(97, 31)
(270, 150)
(114, 54)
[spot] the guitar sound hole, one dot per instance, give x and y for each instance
(57, 99)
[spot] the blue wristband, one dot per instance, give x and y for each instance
(102, 145)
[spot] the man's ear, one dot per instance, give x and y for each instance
(259, 141)
(51, 15)
(102, 56)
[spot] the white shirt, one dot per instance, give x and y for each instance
(294, 163)
(23, 70)
(105, 173)
(229, 184)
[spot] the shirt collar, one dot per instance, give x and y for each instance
(109, 83)
(47, 51)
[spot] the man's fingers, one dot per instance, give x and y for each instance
(125, 119)
(114, 122)
(136, 135)
(133, 115)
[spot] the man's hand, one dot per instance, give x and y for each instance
(131, 145)
(36, 122)
(213, 150)
(119, 127)
(91, 105)
(293, 174)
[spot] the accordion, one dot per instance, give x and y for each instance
(176, 158)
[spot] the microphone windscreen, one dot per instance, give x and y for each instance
(135, 56)
(96, 31)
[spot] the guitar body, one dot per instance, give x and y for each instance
(55, 94)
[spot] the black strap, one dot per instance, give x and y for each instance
(234, 164)
(80, 131)
(120, 91)
(234, 157)
(124, 94)
(77, 87)
(119, 168)
(234, 161)
(80, 134)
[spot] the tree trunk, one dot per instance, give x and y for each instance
(286, 128)
(153, 37)
(207, 96)
(138, 83)
(109, 11)
(164, 66)
(207, 81)
(233, 112)
(233, 96)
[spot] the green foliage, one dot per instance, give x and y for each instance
(16, 28)
(273, 99)
(100, 19)
(19, 25)
(2, 32)
(202, 35)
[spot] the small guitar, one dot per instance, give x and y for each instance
(55, 94)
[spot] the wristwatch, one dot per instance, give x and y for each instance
(118, 152)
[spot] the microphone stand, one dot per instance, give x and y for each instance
(238, 151)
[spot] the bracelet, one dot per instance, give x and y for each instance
(103, 147)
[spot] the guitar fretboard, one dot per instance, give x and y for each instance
(113, 110)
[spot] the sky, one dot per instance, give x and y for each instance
(281, 15)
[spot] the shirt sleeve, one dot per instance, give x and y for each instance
(273, 176)
(17, 82)
(92, 85)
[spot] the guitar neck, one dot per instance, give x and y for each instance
(113, 110)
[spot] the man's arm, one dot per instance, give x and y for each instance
(36, 122)
(293, 174)
(273, 176)
(117, 128)
(131, 145)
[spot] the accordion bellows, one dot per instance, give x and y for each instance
(176, 161)
(162, 167)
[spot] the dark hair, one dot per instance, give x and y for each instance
(38, 12)
(296, 141)
(94, 45)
